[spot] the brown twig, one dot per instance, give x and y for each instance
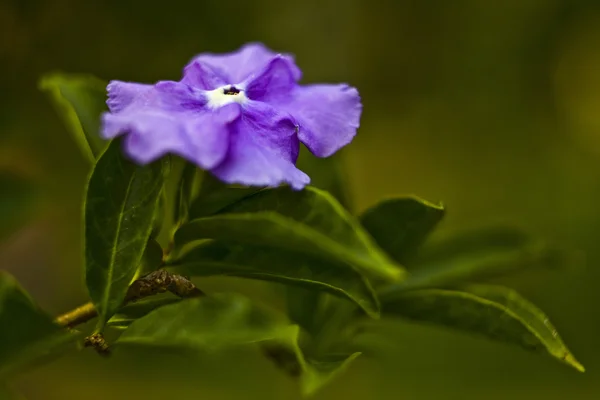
(159, 282)
(155, 282)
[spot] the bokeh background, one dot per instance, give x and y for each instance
(492, 107)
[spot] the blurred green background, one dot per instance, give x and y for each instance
(491, 107)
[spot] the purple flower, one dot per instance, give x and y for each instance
(241, 116)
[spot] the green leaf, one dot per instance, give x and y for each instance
(274, 264)
(120, 205)
(322, 371)
(331, 320)
(309, 221)
(304, 305)
(158, 221)
(168, 204)
(80, 99)
(480, 241)
(401, 225)
(132, 311)
(152, 259)
(329, 175)
(188, 187)
(497, 253)
(314, 373)
(205, 324)
(496, 312)
(494, 240)
(16, 203)
(215, 195)
(224, 321)
(28, 336)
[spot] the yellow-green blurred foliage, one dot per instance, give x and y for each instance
(492, 107)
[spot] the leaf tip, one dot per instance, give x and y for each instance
(439, 206)
(45, 81)
(396, 274)
(372, 312)
(572, 361)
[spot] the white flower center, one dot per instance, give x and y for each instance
(224, 95)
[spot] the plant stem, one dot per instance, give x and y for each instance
(77, 316)
(161, 281)
(155, 282)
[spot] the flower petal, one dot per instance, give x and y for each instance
(328, 116)
(200, 137)
(263, 150)
(274, 82)
(124, 94)
(238, 66)
(204, 76)
(177, 96)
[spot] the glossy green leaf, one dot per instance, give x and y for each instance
(275, 264)
(332, 318)
(496, 312)
(503, 253)
(495, 240)
(120, 205)
(480, 241)
(188, 187)
(215, 195)
(401, 225)
(303, 305)
(227, 321)
(152, 259)
(327, 174)
(309, 221)
(80, 99)
(322, 371)
(205, 324)
(17, 200)
(28, 336)
(314, 373)
(132, 311)
(165, 222)
(158, 221)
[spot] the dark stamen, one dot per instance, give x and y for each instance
(231, 91)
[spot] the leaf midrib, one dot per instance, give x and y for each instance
(113, 253)
(500, 307)
(320, 240)
(278, 277)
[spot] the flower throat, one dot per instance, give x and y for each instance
(231, 91)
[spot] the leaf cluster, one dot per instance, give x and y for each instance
(337, 269)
